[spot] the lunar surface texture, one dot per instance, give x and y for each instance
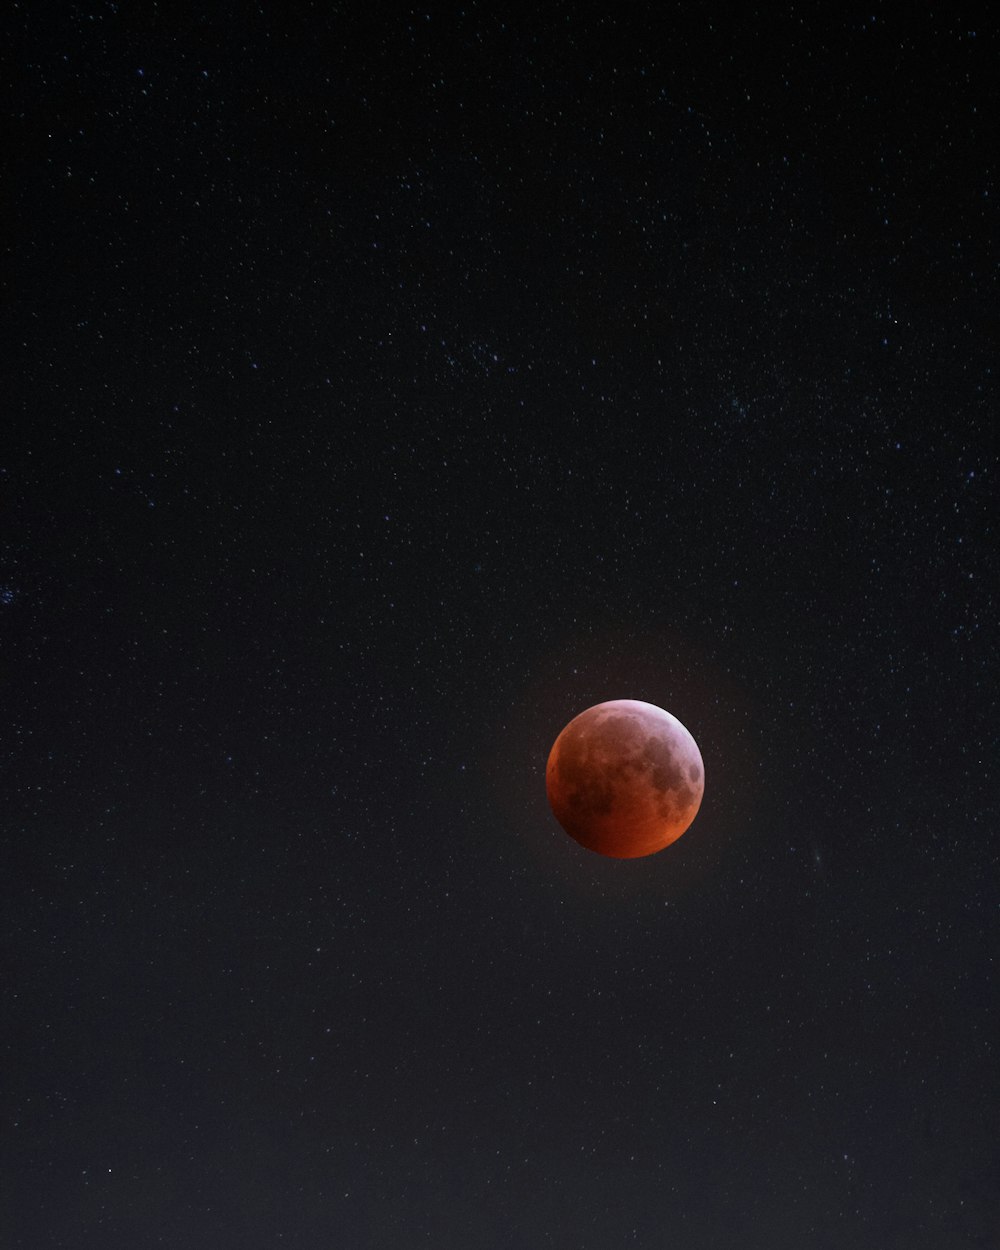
(625, 778)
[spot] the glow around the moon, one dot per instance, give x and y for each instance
(625, 778)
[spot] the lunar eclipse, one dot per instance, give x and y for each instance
(625, 778)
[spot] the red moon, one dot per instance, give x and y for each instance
(625, 778)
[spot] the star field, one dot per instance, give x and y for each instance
(384, 388)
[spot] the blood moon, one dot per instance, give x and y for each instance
(625, 778)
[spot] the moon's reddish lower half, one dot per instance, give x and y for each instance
(625, 778)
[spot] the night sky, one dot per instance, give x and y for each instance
(382, 389)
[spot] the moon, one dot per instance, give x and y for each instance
(625, 778)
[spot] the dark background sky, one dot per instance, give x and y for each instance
(383, 389)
